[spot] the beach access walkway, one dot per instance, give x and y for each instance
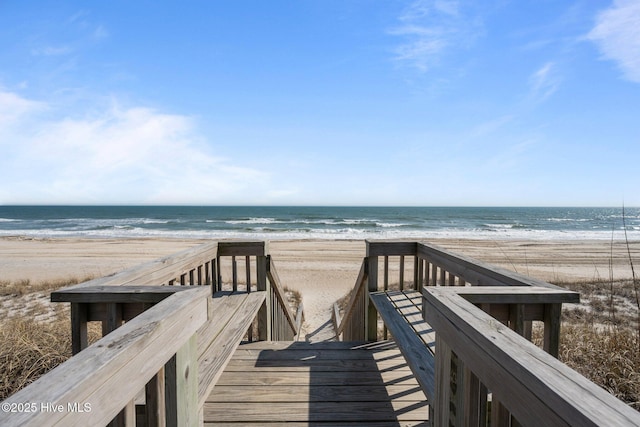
(208, 337)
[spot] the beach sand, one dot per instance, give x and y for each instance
(321, 270)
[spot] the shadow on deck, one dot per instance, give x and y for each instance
(323, 383)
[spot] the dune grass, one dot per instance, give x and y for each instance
(26, 286)
(30, 347)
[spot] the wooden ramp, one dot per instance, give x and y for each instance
(324, 384)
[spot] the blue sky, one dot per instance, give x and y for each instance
(320, 102)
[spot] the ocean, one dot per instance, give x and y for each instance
(293, 222)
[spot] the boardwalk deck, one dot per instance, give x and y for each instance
(327, 383)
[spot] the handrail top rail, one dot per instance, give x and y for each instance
(125, 360)
(360, 282)
(390, 247)
(162, 270)
(530, 382)
(464, 266)
(243, 247)
(154, 272)
(467, 265)
(508, 294)
(125, 293)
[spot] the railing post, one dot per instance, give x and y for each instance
(264, 315)
(371, 319)
(181, 386)
(451, 390)
(552, 329)
(155, 400)
(79, 340)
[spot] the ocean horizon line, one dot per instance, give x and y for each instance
(322, 222)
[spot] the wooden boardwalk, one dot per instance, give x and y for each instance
(326, 383)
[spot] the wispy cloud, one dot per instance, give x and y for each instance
(430, 28)
(117, 155)
(544, 82)
(617, 34)
(51, 50)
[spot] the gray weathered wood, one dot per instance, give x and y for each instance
(278, 292)
(159, 271)
(356, 295)
(238, 248)
(371, 314)
(516, 295)
(223, 335)
(390, 247)
(155, 414)
(264, 385)
(535, 387)
(416, 353)
(475, 272)
(181, 385)
(115, 294)
(79, 317)
(109, 373)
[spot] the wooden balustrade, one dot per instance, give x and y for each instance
(171, 341)
(462, 326)
(94, 386)
(480, 360)
(115, 299)
(482, 370)
(350, 326)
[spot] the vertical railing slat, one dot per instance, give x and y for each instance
(247, 266)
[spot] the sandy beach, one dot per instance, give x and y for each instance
(321, 270)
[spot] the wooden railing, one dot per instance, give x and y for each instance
(487, 372)
(166, 338)
(417, 265)
(350, 326)
(91, 388)
(251, 261)
(478, 359)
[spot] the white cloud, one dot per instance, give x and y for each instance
(544, 82)
(429, 29)
(617, 34)
(14, 107)
(119, 155)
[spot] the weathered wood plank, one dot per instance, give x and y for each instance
(237, 248)
(317, 412)
(390, 247)
(319, 379)
(115, 294)
(534, 386)
(476, 272)
(182, 386)
(124, 360)
(231, 329)
(409, 305)
(159, 271)
(317, 365)
(321, 354)
(278, 291)
(416, 353)
(307, 393)
(356, 294)
(516, 295)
